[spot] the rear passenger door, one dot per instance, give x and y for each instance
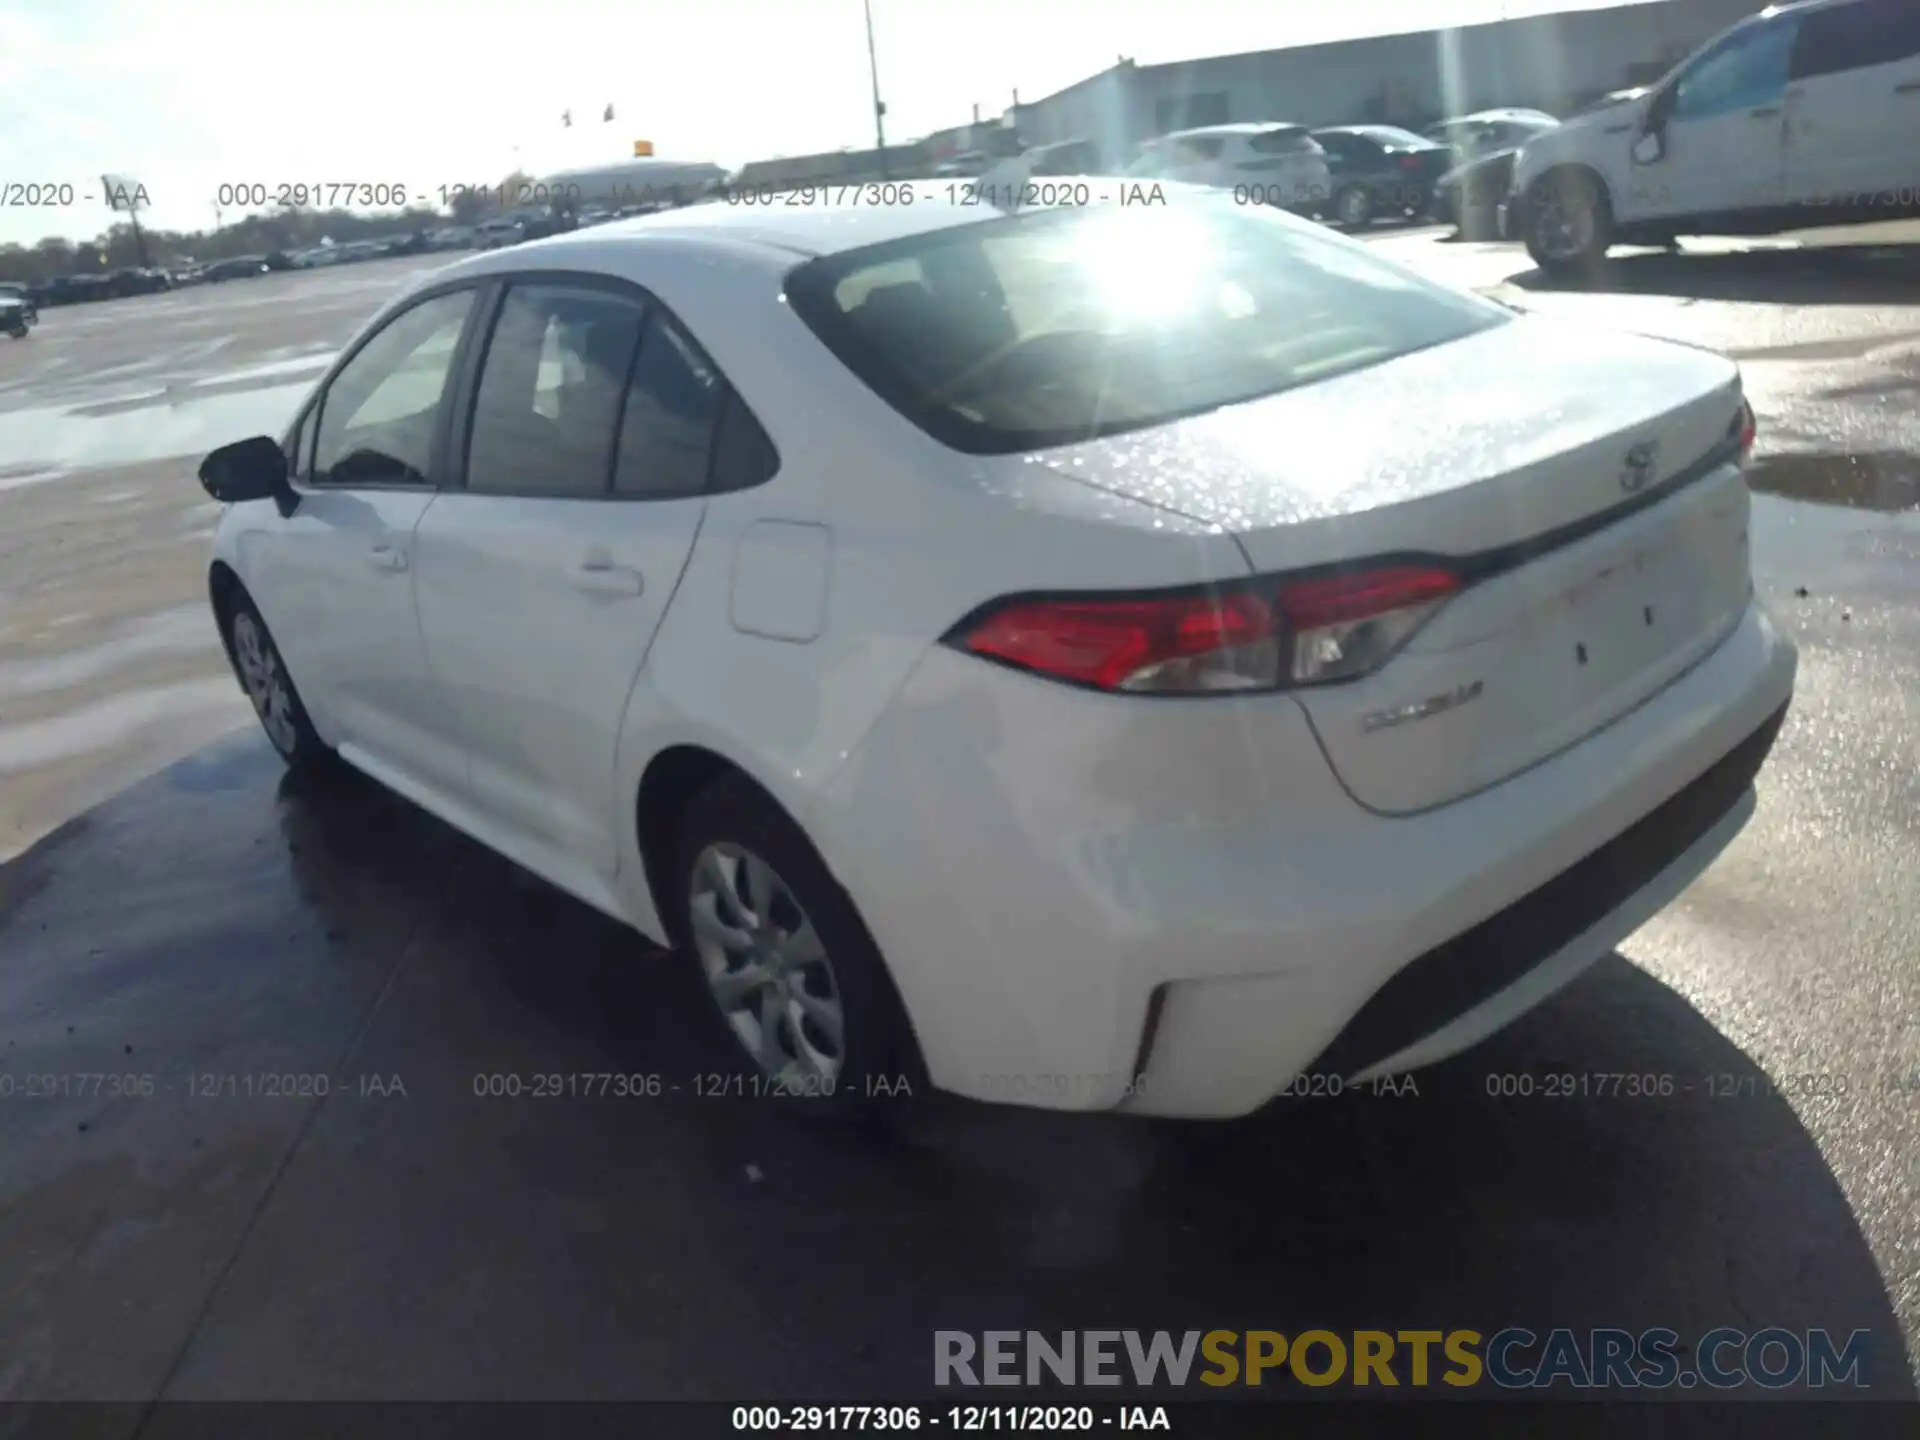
(1853, 107)
(590, 430)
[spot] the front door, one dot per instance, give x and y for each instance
(1723, 132)
(543, 580)
(337, 589)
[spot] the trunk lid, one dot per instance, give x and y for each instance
(1568, 473)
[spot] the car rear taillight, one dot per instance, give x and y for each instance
(1341, 626)
(1749, 430)
(1261, 635)
(1409, 162)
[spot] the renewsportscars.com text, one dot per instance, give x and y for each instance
(1514, 1358)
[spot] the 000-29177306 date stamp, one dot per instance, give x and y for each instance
(1814, 1085)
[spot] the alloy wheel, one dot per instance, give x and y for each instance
(265, 681)
(1565, 223)
(767, 969)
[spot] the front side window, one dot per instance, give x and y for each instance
(1053, 326)
(1746, 70)
(548, 407)
(379, 415)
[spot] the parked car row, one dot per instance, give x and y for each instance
(1353, 175)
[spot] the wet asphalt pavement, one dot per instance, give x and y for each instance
(217, 931)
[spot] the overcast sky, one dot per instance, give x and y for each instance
(188, 94)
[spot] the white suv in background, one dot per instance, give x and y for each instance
(1264, 164)
(1800, 116)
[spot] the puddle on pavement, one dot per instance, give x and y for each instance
(1888, 482)
(112, 721)
(183, 630)
(197, 420)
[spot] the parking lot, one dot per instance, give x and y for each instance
(173, 907)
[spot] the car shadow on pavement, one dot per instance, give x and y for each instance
(445, 1223)
(1813, 275)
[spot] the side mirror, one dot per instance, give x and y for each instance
(254, 469)
(1650, 148)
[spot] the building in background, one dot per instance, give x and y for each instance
(1555, 62)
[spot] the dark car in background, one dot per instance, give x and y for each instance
(1484, 146)
(142, 280)
(239, 268)
(1380, 170)
(23, 296)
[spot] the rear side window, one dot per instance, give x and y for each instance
(666, 435)
(1049, 327)
(545, 417)
(1853, 37)
(1201, 147)
(743, 453)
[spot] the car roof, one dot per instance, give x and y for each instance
(1243, 127)
(833, 218)
(1507, 112)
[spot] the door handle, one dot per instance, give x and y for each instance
(385, 557)
(1907, 87)
(603, 577)
(1765, 112)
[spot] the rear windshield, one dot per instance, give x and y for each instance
(1054, 326)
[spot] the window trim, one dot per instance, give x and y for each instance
(299, 468)
(493, 299)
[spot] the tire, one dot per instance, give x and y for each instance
(744, 870)
(1569, 223)
(1353, 207)
(263, 676)
(17, 330)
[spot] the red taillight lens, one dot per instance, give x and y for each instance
(1749, 430)
(1311, 631)
(1183, 643)
(1409, 162)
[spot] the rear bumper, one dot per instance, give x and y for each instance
(1074, 863)
(1432, 1007)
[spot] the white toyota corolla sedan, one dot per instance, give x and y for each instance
(1150, 658)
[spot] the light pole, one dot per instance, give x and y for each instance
(879, 105)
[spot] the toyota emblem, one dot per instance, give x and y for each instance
(1638, 469)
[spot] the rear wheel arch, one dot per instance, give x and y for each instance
(667, 786)
(222, 585)
(673, 781)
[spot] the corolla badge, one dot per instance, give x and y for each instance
(1637, 470)
(1421, 709)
